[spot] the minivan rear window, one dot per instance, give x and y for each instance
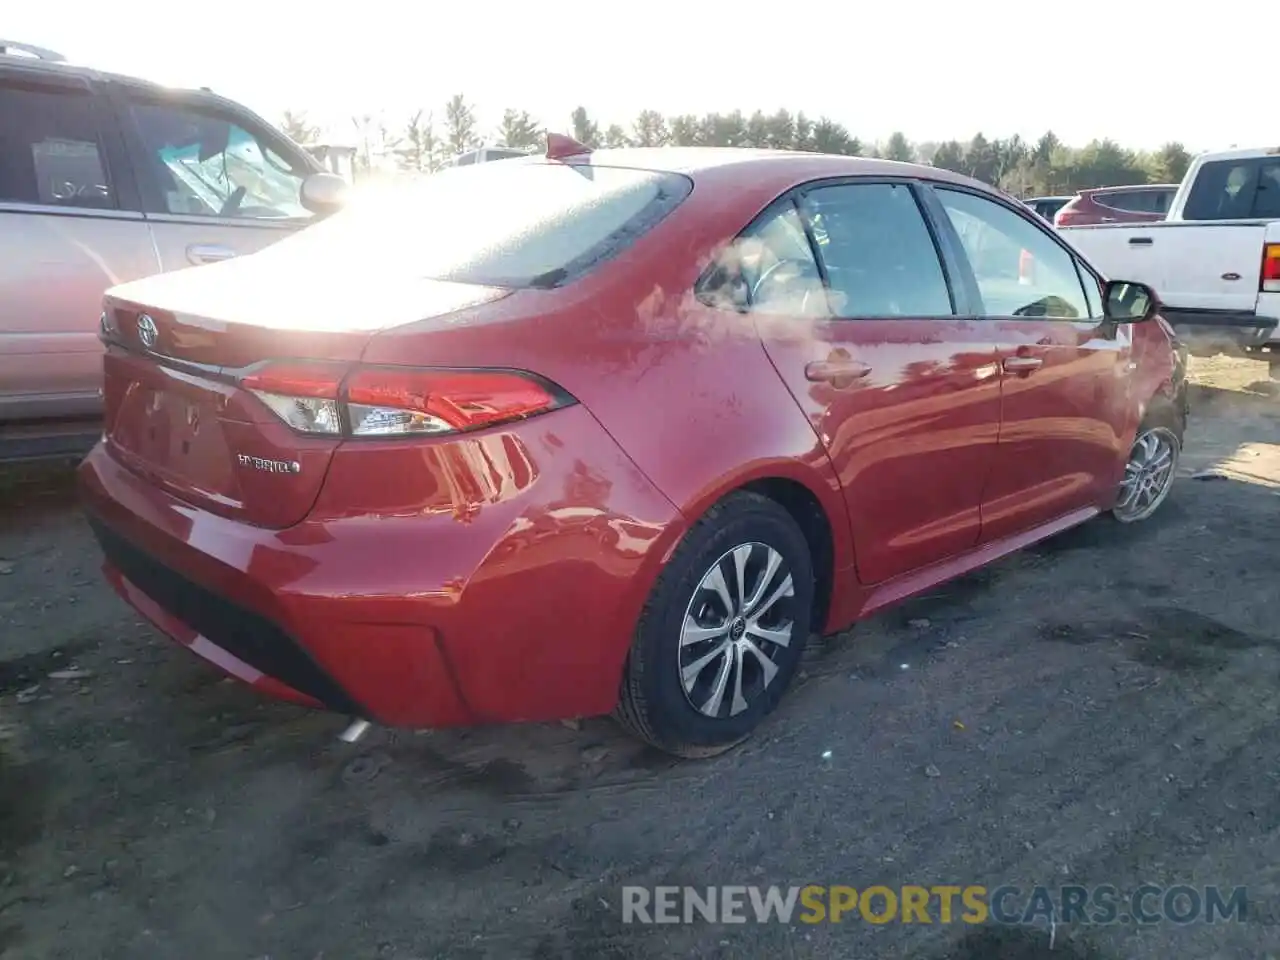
(514, 224)
(1235, 190)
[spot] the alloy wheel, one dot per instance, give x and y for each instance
(1148, 475)
(735, 628)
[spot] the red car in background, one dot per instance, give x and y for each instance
(1143, 203)
(612, 432)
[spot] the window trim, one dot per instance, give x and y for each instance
(111, 148)
(949, 228)
(126, 96)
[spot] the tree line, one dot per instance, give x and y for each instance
(425, 141)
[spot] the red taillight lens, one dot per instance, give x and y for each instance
(382, 401)
(297, 380)
(1270, 282)
(398, 401)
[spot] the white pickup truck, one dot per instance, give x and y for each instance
(1214, 261)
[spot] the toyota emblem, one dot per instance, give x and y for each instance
(148, 333)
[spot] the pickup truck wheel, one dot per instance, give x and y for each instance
(1148, 473)
(723, 631)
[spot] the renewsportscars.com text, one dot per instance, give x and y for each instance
(971, 904)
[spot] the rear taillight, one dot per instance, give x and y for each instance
(305, 396)
(1270, 281)
(399, 401)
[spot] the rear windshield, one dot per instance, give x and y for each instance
(512, 224)
(1235, 190)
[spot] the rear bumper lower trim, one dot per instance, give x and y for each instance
(250, 640)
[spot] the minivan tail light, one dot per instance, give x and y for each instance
(1270, 282)
(398, 401)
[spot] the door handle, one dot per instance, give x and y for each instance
(1022, 364)
(832, 371)
(199, 253)
(1144, 241)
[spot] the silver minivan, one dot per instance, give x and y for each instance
(104, 179)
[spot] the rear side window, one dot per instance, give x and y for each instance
(1147, 201)
(879, 256)
(50, 152)
(1134, 201)
(1235, 190)
(515, 224)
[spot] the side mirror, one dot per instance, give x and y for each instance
(323, 193)
(1124, 301)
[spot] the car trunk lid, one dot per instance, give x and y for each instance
(181, 345)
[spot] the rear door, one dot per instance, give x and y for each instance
(856, 311)
(70, 227)
(216, 182)
(1065, 398)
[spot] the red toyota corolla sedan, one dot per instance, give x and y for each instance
(612, 432)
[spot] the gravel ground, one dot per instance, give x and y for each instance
(1100, 709)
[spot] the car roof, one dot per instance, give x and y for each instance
(1134, 188)
(779, 168)
(33, 65)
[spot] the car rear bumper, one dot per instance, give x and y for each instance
(517, 603)
(1221, 329)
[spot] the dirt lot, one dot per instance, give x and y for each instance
(1101, 709)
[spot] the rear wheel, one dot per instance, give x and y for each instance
(723, 631)
(1149, 471)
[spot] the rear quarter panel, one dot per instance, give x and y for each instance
(687, 391)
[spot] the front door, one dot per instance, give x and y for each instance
(902, 391)
(1065, 402)
(216, 184)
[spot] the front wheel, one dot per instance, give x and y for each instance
(723, 631)
(1148, 474)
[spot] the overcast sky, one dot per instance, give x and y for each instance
(1134, 70)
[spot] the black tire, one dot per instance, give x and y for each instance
(652, 702)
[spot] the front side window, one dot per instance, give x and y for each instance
(49, 149)
(1020, 270)
(516, 224)
(208, 166)
(879, 256)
